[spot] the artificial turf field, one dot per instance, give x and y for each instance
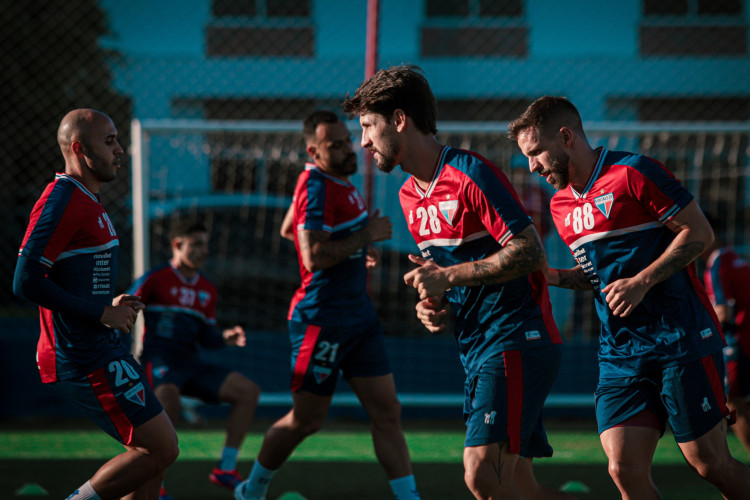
(39, 460)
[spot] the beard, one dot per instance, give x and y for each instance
(559, 176)
(386, 160)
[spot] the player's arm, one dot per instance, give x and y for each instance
(693, 234)
(522, 255)
(572, 279)
(31, 282)
(319, 252)
(287, 229)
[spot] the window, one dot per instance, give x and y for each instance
(693, 27)
(474, 28)
(273, 28)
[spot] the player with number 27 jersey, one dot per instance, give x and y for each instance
(469, 212)
(614, 229)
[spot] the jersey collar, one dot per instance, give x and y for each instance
(594, 174)
(79, 184)
(436, 174)
(312, 166)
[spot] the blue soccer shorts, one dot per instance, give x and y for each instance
(319, 353)
(503, 402)
(116, 396)
(689, 396)
(192, 376)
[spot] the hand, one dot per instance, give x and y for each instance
(235, 336)
(119, 317)
(429, 279)
(372, 258)
(624, 295)
(379, 227)
(431, 313)
(132, 301)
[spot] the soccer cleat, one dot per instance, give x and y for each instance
(226, 478)
(163, 494)
(239, 493)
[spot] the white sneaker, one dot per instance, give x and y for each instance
(239, 493)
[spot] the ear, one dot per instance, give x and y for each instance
(176, 243)
(567, 136)
(77, 147)
(399, 119)
(312, 151)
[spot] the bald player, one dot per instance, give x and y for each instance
(67, 265)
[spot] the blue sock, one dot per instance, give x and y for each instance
(228, 458)
(258, 481)
(85, 492)
(404, 488)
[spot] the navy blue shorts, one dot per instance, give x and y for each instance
(504, 401)
(320, 352)
(191, 376)
(690, 397)
(117, 397)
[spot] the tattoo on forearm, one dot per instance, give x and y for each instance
(522, 255)
(677, 259)
(573, 279)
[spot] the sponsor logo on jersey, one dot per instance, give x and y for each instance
(204, 297)
(533, 335)
(321, 373)
(604, 203)
(136, 395)
(448, 209)
(706, 333)
(489, 418)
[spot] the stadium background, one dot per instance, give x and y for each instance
(670, 78)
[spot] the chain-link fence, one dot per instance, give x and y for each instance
(633, 61)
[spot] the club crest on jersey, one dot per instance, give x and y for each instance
(448, 208)
(321, 373)
(604, 203)
(204, 296)
(136, 395)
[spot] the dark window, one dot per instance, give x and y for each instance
(693, 40)
(480, 109)
(500, 8)
(265, 109)
(259, 41)
(221, 8)
(447, 8)
(730, 7)
(665, 7)
(694, 109)
(288, 8)
(512, 42)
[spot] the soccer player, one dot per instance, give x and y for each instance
(480, 253)
(726, 278)
(332, 323)
(67, 265)
(180, 315)
(634, 232)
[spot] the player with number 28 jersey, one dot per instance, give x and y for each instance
(614, 229)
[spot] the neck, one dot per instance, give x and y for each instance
(186, 272)
(581, 168)
(421, 160)
(77, 172)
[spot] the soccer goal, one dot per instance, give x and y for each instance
(239, 177)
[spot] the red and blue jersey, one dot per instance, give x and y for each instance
(180, 313)
(469, 212)
(335, 296)
(615, 228)
(726, 277)
(70, 233)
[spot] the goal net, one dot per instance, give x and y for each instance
(239, 177)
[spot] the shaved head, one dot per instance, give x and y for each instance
(77, 126)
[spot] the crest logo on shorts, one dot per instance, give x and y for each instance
(137, 395)
(321, 373)
(448, 208)
(604, 203)
(706, 333)
(706, 406)
(489, 418)
(533, 335)
(159, 371)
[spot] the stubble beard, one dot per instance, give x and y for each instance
(559, 174)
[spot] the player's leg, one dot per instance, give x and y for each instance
(489, 471)
(169, 397)
(631, 419)
(530, 488)
(741, 426)
(630, 451)
(378, 398)
(737, 380)
(698, 416)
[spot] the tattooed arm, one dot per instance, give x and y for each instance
(693, 236)
(522, 255)
(572, 279)
(319, 252)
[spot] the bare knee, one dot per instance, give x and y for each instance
(625, 473)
